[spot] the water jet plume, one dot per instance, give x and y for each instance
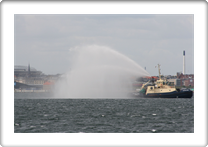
(98, 72)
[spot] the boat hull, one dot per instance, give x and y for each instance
(175, 94)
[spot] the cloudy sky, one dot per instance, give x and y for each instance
(45, 41)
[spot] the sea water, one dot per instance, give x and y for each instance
(36, 114)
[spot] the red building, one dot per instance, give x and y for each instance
(186, 80)
(186, 76)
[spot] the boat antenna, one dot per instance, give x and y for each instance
(159, 71)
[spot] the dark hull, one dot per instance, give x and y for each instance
(179, 94)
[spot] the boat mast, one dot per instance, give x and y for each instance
(159, 71)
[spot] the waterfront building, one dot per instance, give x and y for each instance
(186, 79)
(26, 71)
(26, 77)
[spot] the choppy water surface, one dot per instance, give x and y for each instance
(104, 115)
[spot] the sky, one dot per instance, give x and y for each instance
(44, 41)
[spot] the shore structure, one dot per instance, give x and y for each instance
(28, 79)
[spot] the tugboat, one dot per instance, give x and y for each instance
(161, 89)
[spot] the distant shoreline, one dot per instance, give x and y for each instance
(38, 91)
